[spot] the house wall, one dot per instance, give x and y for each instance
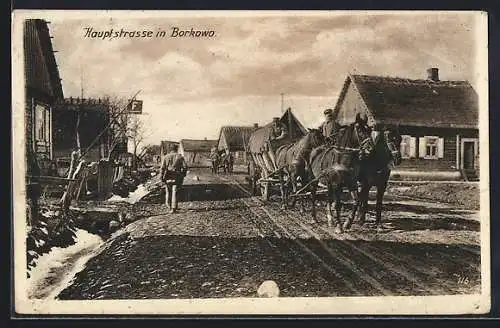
(43, 151)
(351, 105)
(197, 159)
(240, 157)
(92, 155)
(450, 151)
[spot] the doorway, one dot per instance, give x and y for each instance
(469, 153)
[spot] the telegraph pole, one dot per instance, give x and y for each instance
(282, 107)
(80, 108)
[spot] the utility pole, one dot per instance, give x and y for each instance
(80, 108)
(282, 107)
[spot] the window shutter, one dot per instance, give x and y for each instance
(440, 149)
(421, 147)
(413, 147)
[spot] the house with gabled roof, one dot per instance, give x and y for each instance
(234, 139)
(197, 152)
(438, 121)
(42, 89)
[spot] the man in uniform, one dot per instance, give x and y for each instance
(278, 135)
(330, 127)
(214, 158)
(362, 120)
(230, 161)
(173, 171)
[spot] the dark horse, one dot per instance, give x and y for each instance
(378, 151)
(292, 160)
(336, 169)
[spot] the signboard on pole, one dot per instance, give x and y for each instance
(134, 107)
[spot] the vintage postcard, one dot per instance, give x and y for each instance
(250, 162)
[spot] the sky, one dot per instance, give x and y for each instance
(190, 87)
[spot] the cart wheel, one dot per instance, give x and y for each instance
(264, 190)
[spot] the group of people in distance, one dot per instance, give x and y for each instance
(174, 168)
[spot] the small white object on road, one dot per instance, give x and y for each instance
(268, 288)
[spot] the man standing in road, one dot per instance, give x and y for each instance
(173, 171)
(330, 127)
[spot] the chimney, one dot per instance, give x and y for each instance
(433, 74)
(256, 125)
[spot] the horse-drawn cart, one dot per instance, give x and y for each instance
(265, 175)
(283, 178)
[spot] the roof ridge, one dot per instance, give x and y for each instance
(406, 79)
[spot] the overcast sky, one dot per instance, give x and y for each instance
(193, 86)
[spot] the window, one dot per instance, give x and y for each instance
(431, 147)
(42, 123)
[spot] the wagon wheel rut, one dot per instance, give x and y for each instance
(323, 253)
(381, 263)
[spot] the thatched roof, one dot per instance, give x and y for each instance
(389, 100)
(40, 65)
(235, 138)
(260, 136)
(198, 146)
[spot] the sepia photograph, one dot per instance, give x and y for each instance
(250, 162)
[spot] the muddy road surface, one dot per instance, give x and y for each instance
(225, 243)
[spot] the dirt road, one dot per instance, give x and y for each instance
(224, 243)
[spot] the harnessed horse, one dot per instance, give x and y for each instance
(336, 168)
(377, 151)
(292, 159)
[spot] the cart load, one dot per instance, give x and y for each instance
(262, 169)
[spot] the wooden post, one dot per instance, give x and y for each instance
(290, 134)
(99, 180)
(82, 182)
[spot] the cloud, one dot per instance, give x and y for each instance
(237, 76)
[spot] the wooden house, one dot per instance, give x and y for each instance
(197, 152)
(438, 121)
(234, 139)
(42, 89)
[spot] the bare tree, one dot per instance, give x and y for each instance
(135, 131)
(117, 133)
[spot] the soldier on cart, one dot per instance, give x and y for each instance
(330, 127)
(278, 135)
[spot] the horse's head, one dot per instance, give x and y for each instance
(364, 139)
(315, 137)
(393, 141)
(389, 142)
